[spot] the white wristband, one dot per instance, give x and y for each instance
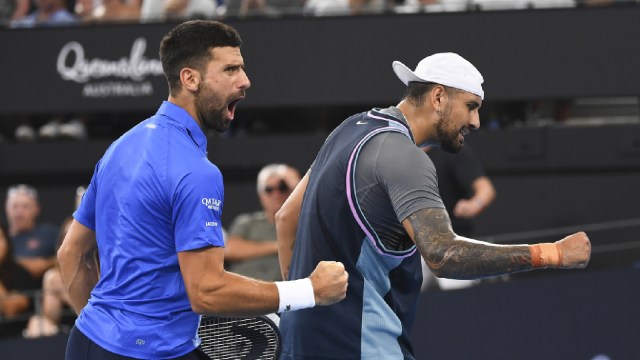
(295, 295)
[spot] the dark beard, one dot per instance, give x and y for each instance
(448, 142)
(213, 120)
(210, 119)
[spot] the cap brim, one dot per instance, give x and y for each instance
(405, 74)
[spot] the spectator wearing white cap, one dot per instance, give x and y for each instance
(371, 201)
(250, 248)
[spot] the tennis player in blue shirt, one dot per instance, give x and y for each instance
(152, 211)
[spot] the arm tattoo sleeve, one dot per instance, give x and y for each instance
(451, 256)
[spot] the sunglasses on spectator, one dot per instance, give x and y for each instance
(282, 187)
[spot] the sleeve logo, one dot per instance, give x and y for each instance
(211, 203)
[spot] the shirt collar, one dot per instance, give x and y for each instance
(395, 113)
(181, 116)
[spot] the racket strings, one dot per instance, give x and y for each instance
(234, 338)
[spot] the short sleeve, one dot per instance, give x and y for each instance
(197, 209)
(407, 173)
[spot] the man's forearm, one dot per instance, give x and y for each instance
(456, 257)
(285, 252)
(286, 229)
(287, 225)
(78, 264)
(80, 277)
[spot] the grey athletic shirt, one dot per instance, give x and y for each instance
(393, 173)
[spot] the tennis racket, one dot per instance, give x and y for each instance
(232, 338)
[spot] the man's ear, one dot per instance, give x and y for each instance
(190, 79)
(438, 97)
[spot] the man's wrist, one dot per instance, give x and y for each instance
(295, 295)
(545, 255)
(479, 202)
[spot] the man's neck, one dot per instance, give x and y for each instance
(419, 122)
(188, 105)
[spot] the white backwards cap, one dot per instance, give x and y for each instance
(449, 69)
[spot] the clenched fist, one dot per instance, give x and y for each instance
(329, 280)
(575, 250)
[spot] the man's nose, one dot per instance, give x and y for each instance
(474, 124)
(245, 83)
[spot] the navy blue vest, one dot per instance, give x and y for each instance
(384, 283)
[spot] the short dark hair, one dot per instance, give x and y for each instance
(416, 91)
(189, 45)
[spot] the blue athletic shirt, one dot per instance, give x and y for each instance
(153, 193)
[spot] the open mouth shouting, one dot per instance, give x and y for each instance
(231, 106)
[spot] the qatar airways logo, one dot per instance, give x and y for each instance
(73, 65)
(211, 203)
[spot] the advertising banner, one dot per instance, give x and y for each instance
(331, 61)
(82, 69)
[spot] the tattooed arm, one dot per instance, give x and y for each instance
(451, 256)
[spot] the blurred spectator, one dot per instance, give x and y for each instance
(47, 13)
(465, 188)
(267, 8)
(521, 4)
(604, 2)
(368, 6)
(84, 8)
(112, 10)
(409, 6)
(55, 298)
(501, 4)
(15, 285)
(34, 244)
(466, 192)
(326, 7)
(11, 10)
(154, 10)
(251, 248)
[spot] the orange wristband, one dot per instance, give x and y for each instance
(545, 255)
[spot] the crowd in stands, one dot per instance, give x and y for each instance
(33, 301)
(25, 13)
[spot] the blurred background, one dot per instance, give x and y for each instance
(560, 137)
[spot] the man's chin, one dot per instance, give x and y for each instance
(452, 147)
(221, 129)
(220, 125)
